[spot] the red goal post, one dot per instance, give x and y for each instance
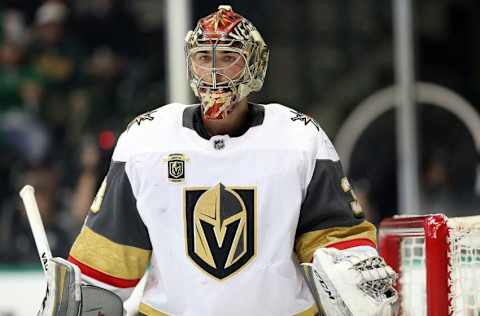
(438, 261)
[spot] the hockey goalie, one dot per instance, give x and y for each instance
(221, 201)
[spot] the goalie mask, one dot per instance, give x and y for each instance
(226, 60)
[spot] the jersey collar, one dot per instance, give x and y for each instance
(192, 118)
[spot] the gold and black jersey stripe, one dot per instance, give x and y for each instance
(330, 214)
(113, 246)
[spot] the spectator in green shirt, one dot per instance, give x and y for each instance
(20, 84)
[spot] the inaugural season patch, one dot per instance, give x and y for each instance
(220, 228)
(176, 167)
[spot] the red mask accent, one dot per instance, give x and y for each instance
(213, 113)
(220, 23)
(217, 105)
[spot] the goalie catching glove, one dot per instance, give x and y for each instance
(352, 282)
(67, 296)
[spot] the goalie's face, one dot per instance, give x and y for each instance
(217, 68)
(217, 73)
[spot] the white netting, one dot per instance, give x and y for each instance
(464, 265)
(413, 277)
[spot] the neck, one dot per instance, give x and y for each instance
(231, 123)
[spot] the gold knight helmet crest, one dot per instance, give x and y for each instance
(220, 228)
(176, 167)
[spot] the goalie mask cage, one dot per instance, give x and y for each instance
(438, 261)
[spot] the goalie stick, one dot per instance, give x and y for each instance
(65, 295)
(28, 197)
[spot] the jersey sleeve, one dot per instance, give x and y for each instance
(113, 248)
(330, 214)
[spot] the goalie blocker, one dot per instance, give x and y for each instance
(66, 296)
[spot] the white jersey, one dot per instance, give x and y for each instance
(222, 222)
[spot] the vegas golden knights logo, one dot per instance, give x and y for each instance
(176, 167)
(220, 228)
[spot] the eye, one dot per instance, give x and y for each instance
(203, 58)
(229, 58)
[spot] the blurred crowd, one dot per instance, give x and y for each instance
(71, 76)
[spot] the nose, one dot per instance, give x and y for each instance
(217, 77)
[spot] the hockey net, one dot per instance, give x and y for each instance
(438, 261)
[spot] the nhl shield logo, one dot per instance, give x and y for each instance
(220, 228)
(176, 167)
